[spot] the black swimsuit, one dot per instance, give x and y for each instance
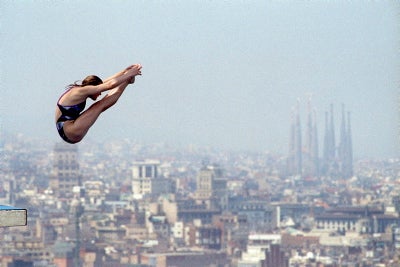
(68, 113)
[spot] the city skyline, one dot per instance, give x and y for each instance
(108, 208)
(215, 74)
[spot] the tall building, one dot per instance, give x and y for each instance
(211, 187)
(204, 183)
(66, 173)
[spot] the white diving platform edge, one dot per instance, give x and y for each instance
(11, 216)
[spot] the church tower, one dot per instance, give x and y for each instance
(304, 160)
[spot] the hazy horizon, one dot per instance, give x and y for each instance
(214, 73)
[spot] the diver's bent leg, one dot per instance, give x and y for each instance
(76, 130)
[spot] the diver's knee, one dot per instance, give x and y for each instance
(74, 137)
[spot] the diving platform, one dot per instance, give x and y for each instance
(11, 216)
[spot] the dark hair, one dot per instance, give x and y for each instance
(89, 80)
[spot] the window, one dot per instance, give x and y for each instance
(148, 171)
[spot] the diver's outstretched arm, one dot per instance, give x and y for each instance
(79, 94)
(119, 73)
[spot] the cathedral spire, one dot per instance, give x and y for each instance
(332, 145)
(343, 137)
(349, 146)
(298, 144)
(315, 147)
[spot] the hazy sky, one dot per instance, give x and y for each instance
(215, 73)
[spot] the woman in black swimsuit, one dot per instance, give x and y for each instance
(73, 124)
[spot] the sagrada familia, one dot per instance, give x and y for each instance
(337, 157)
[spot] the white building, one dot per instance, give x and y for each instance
(258, 244)
(147, 180)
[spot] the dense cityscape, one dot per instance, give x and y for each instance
(126, 204)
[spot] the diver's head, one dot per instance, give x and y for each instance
(92, 80)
